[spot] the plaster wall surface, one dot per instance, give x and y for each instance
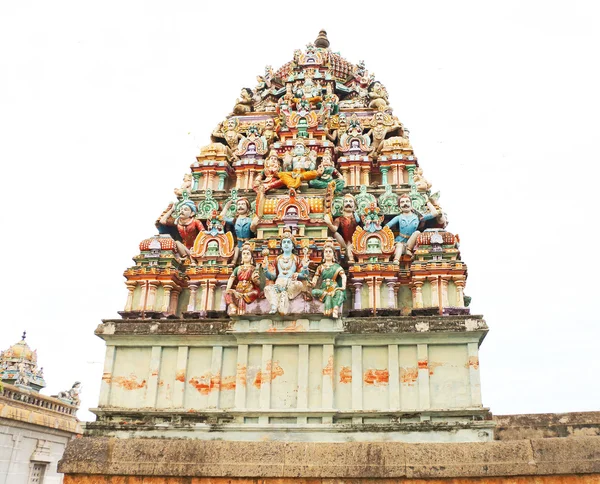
(23, 445)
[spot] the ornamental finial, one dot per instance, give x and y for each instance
(24, 336)
(322, 41)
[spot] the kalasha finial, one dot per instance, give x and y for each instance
(322, 41)
(24, 336)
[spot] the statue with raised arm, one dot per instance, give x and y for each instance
(188, 226)
(332, 290)
(344, 226)
(407, 224)
(290, 277)
(246, 279)
(243, 223)
(245, 104)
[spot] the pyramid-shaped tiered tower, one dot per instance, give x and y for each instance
(303, 287)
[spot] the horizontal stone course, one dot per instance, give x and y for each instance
(353, 460)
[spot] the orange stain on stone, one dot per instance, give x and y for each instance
(241, 374)
(206, 383)
(346, 374)
(328, 370)
(422, 364)
(376, 377)
(473, 362)
(409, 375)
(130, 383)
(228, 383)
(180, 376)
(272, 371)
(433, 365)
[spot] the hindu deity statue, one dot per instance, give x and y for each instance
(268, 179)
(186, 186)
(228, 131)
(329, 174)
(380, 127)
(245, 104)
(298, 166)
(407, 223)
(344, 226)
(246, 278)
(290, 277)
(378, 96)
(269, 133)
(187, 226)
(372, 218)
(332, 290)
(420, 181)
(244, 224)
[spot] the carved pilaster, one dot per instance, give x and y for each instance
(357, 295)
(193, 291)
(131, 285)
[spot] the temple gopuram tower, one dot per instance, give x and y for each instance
(301, 304)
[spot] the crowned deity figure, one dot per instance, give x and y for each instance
(407, 224)
(246, 278)
(345, 225)
(228, 131)
(243, 223)
(298, 166)
(329, 174)
(332, 290)
(187, 225)
(268, 179)
(290, 277)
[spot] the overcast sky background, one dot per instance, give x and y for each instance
(104, 105)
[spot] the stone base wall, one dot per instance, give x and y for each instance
(113, 458)
(83, 479)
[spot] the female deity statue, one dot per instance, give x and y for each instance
(329, 174)
(247, 284)
(290, 277)
(332, 291)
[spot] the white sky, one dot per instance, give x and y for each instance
(104, 105)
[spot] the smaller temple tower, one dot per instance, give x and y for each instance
(34, 428)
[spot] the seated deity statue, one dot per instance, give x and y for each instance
(246, 102)
(186, 185)
(378, 95)
(329, 174)
(407, 223)
(332, 290)
(246, 278)
(187, 225)
(268, 179)
(290, 277)
(298, 165)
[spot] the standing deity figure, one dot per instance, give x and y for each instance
(380, 127)
(329, 174)
(245, 103)
(247, 284)
(332, 291)
(298, 166)
(407, 223)
(289, 276)
(244, 225)
(187, 226)
(378, 96)
(344, 226)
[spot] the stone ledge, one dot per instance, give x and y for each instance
(370, 325)
(544, 425)
(193, 458)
